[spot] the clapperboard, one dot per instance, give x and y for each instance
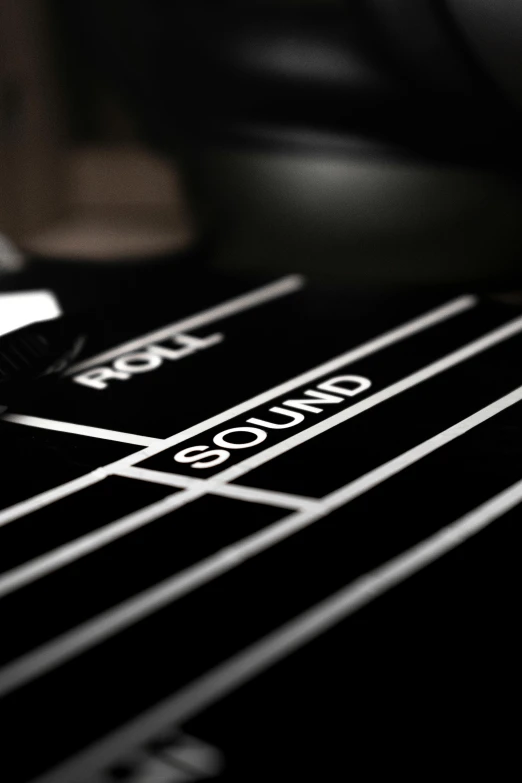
(261, 532)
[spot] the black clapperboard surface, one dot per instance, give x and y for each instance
(262, 532)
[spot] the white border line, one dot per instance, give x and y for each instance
(134, 609)
(51, 496)
(410, 328)
(431, 318)
(473, 348)
(67, 553)
(80, 429)
(246, 665)
(80, 547)
(323, 616)
(268, 497)
(266, 293)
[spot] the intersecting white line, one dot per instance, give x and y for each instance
(410, 328)
(323, 616)
(239, 669)
(40, 566)
(67, 553)
(431, 318)
(257, 297)
(63, 555)
(430, 371)
(134, 609)
(80, 429)
(252, 494)
(267, 497)
(285, 640)
(51, 496)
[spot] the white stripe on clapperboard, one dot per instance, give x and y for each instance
(96, 539)
(439, 314)
(247, 664)
(116, 619)
(310, 509)
(287, 285)
(81, 638)
(314, 621)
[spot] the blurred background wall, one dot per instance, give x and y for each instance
(91, 168)
(75, 180)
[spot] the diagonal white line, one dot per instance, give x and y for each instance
(159, 477)
(45, 564)
(80, 429)
(266, 496)
(68, 553)
(285, 640)
(323, 616)
(430, 371)
(432, 318)
(375, 477)
(51, 496)
(238, 304)
(408, 329)
(111, 622)
(249, 494)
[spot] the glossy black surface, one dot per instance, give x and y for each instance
(416, 680)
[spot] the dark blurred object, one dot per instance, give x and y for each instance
(31, 139)
(41, 350)
(257, 97)
(395, 71)
(11, 260)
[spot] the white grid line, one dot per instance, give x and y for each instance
(80, 429)
(285, 640)
(393, 336)
(452, 359)
(431, 318)
(238, 304)
(80, 547)
(252, 494)
(67, 553)
(51, 496)
(134, 609)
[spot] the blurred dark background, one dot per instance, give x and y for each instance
(363, 141)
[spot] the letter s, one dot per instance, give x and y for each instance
(217, 456)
